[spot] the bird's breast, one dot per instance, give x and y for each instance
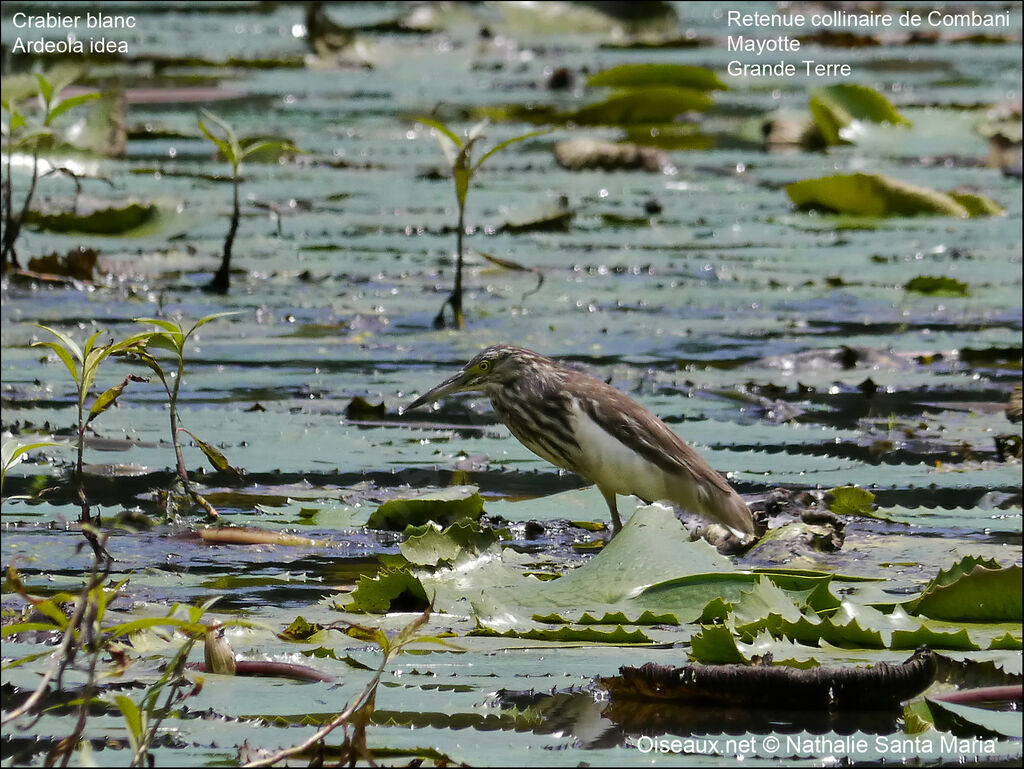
(613, 465)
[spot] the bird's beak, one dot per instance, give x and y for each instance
(447, 387)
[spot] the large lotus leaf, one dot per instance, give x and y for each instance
(643, 105)
(651, 548)
(444, 506)
(765, 599)
(967, 721)
(973, 591)
(872, 195)
(643, 75)
(837, 106)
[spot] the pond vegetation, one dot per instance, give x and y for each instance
(226, 543)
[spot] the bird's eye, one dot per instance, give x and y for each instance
(484, 365)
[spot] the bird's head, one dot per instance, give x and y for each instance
(493, 367)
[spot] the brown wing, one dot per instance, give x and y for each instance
(621, 416)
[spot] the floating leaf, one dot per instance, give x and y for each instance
(643, 105)
(837, 106)
(941, 285)
(977, 205)
(390, 590)
(361, 410)
(445, 507)
(643, 75)
(971, 722)
(972, 591)
(572, 635)
(872, 195)
(430, 546)
(300, 630)
(850, 500)
(115, 220)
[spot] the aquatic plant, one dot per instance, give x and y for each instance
(234, 151)
(459, 155)
(30, 134)
(171, 338)
(83, 364)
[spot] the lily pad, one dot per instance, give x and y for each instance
(445, 506)
(973, 591)
(430, 546)
(872, 195)
(942, 285)
(850, 500)
(643, 75)
(837, 106)
(115, 220)
(644, 105)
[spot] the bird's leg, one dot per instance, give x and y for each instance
(609, 497)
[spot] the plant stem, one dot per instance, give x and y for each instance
(455, 298)
(79, 464)
(222, 279)
(14, 224)
(176, 442)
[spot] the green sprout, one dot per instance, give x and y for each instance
(83, 364)
(235, 151)
(22, 136)
(172, 338)
(459, 155)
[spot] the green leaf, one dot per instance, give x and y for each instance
(390, 590)
(872, 195)
(645, 105)
(115, 220)
(70, 103)
(850, 500)
(972, 591)
(643, 75)
(63, 354)
(941, 285)
(132, 718)
(717, 644)
(217, 459)
(444, 507)
(273, 149)
(507, 143)
(45, 89)
(571, 635)
(972, 722)
(837, 106)
(207, 318)
(977, 205)
(429, 546)
(109, 397)
(442, 129)
(229, 148)
(65, 340)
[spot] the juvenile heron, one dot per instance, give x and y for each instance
(579, 423)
